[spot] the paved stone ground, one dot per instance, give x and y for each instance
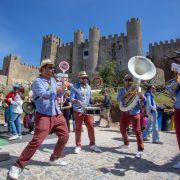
(112, 164)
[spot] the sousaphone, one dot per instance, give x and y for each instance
(142, 69)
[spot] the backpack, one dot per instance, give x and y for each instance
(28, 121)
(107, 101)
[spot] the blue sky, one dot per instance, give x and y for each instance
(23, 23)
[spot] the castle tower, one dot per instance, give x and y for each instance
(10, 64)
(134, 38)
(78, 39)
(94, 38)
(49, 47)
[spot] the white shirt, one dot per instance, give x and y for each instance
(17, 104)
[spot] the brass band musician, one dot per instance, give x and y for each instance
(175, 89)
(132, 115)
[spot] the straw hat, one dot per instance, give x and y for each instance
(82, 74)
(45, 62)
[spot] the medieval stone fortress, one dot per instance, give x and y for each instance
(84, 54)
(88, 54)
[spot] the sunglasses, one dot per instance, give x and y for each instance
(128, 80)
(84, 78)
(51, 68)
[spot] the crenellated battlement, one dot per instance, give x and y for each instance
(122, 35)
(161, 43)
(51, 36)
(67, 44)
(15, 57)
(29, 66)
(112, 37)
(94, 28)
(133, 20)
(78, 31)
(103, 38)
(86, 41)
(12, 56)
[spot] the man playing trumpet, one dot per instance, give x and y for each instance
(48, 118)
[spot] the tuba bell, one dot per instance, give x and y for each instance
(142, 69)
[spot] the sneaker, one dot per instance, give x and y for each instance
(32, 132)
(95, 148)
(97, 123)
(13, 137)
(5, 124)
(139, 154)
(146, 139)
(177, 166)
(124, 146)
(58, 162)
(107, 126)
(20, 136)
(77, 149)
(14, 172)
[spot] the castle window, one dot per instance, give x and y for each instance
(86, 53)
(113, 45)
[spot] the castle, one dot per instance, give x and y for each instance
(88, 54)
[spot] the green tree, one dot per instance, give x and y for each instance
(107, 72)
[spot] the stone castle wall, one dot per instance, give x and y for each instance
(159, 52)
(114, 48)
(3, 80)
(64, 53)
(17, 72)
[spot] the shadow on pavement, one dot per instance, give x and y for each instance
(70, 150)
(121, 139)
(124, 164)
(9, 163)
(169, 132)
(140, 165)
(109, 130)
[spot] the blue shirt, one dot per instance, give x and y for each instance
(46, 90)
(121, 93)
(80, 93)
(150, 102)
(177, 94)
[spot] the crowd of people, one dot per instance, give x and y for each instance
(12, 105)
(56, 105)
